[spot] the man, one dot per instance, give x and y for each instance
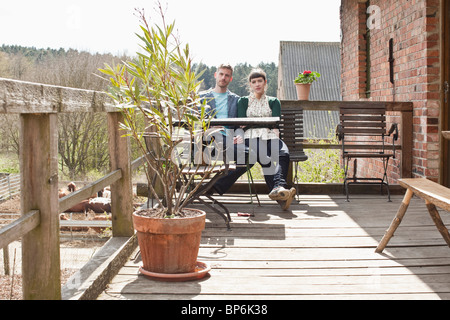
(223, 104)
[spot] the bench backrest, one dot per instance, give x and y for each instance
(357, 123)
(291, 132)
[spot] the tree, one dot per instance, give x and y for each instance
(78, 147)
(239, 85)
(82, 137)
(81, 152)
(207, 76)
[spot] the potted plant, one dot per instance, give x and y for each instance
(153, 91)
(303, 83)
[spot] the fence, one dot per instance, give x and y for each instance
(38, 227)
(9, 186)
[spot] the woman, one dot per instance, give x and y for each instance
(264, 144)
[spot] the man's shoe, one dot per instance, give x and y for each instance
(285, 204)
(279, 193)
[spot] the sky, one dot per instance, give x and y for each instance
(227, 31)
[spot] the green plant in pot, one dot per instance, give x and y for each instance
(303, 83)
(153, 91)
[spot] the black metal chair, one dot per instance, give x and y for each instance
(357, 124)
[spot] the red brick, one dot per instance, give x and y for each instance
(414, 26)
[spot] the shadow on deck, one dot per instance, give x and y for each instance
(323, 248)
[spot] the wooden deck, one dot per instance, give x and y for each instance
(322, 249)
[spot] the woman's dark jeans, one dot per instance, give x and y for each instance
(272, 155)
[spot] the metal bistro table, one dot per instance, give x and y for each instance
(246, 122)
(221, 170)
(237, 122)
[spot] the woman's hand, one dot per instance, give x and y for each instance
(277, 132)
(238, 140)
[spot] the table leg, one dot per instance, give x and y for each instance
(396, 222)
(438, 222)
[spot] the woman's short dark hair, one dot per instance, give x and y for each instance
(257, 73)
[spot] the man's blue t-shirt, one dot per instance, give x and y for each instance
(221, 104)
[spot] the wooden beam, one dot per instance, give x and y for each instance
(19, 227)
(121, 190)
(41, 269)
(406, 141)
(336, 105)
(28, 97)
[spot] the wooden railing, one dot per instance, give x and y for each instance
(38, 106)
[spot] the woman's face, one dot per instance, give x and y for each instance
(258, 85)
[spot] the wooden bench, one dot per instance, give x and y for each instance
(434, 194)
(291, 132)
(446, 134)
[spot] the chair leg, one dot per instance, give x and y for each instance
(226, 217)
(295, 180)
(214, 201)
(385, 178)
(383, 181)
(149, 192)
(346, 189)
(250, 184)
(346, 162)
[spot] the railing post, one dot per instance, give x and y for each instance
(9, 187)
(6, 260)
(41, 269)
(121, 190)
(407, 144)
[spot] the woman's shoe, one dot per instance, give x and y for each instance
(280, 193)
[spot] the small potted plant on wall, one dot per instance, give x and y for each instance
(303, 83)
(156, 89)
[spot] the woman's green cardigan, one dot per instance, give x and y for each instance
(274, 104)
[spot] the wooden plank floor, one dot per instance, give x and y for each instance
(322, 249)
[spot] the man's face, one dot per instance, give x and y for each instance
(223, 77)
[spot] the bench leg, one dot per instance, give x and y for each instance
(396, 222)
(438, 222)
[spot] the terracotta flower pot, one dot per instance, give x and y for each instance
(169, 245)
(303, 90)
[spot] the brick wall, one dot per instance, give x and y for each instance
(414, 27)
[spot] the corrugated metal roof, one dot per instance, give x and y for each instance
(323, 57)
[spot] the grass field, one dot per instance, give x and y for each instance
(9, 162)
